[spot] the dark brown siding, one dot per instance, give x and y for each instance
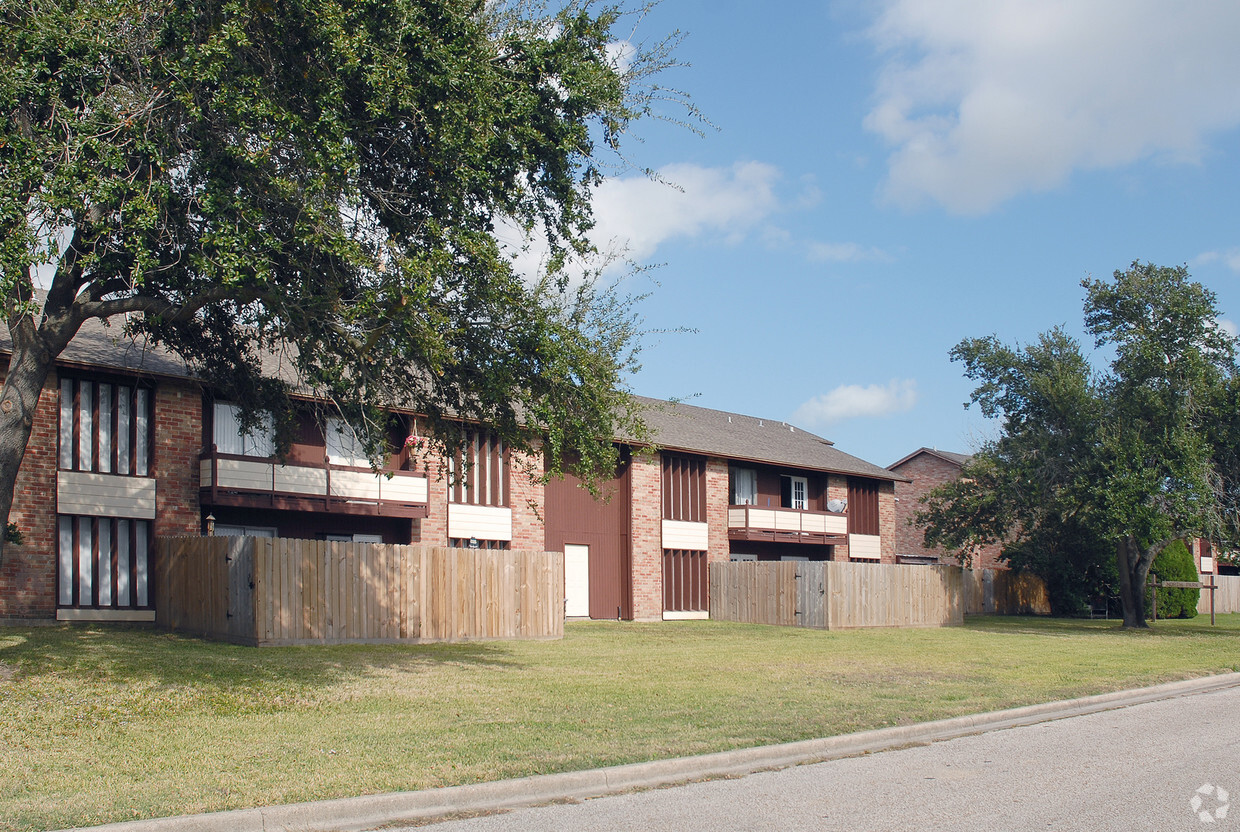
(479, 471)
(684, 488)
(684, 581)
(862, 506)
(573, 516)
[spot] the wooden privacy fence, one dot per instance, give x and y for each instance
(1004, 592)
(836, 595)
(1226, 597)
(266, 591)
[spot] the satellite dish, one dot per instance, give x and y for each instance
(837, 505)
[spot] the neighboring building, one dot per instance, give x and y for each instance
(127, 446)
(922, 471)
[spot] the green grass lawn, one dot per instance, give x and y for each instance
(102, 724)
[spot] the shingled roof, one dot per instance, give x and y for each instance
(683, 427)
(947, 456)
(675, 426)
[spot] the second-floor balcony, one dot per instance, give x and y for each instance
(786, 525)
(255, 482)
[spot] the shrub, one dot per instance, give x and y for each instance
(14, 535)
(1174, 563)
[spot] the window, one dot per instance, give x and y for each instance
(344, 446)
(478, 472)
(103, 562)
(744, 486)
(104, 427)
(794, 492)
(223, 530)
(227, 436)
(684, 489)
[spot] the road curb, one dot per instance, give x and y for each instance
(360, 813)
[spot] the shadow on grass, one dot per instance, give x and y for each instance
(126, 654)
(1228, 626)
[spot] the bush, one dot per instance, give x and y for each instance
(1174, 563)
(14, 535)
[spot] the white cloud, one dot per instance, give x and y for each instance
(1229, 327)
(851, 401)
(635, 215)
(845, 253)
(985, 99)
(1229, 258)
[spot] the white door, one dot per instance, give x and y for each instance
(576, 581)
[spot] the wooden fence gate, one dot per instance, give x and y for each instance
(836, 595)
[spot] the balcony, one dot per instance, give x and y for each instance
(786, 525)
(249, 482)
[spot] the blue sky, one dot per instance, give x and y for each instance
(889, 178)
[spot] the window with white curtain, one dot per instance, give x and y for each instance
(744, 486)
(228, 438)
(343, 445)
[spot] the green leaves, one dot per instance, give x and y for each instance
(323, 178)
(1141, 451)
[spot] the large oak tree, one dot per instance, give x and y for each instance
(1140, 453)
(322, 179)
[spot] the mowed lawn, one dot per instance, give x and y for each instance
(101, 724)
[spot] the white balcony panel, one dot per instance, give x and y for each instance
(482, 522)
(105, 495)
(243, 474)
(736, 518)
(298, 479)
(355, 485)
(404, 489)
(761, 518)
(816, 523)
(788, 521)
(837, 524)
(680, 534)
(204, 472)
(864, 547)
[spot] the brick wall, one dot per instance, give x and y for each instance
(887, 521)
(178, 443)
(647, 537)
(837, 489)
(527, 499)
(433, 528)
(717, 510)
(28, 573)
(928, 471)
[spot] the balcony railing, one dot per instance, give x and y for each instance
(786, 525)
(227, 479)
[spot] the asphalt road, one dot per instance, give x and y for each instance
(1136, 768)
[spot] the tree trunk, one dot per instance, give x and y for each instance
(1134, 571)
(1132, 581)
(28, 370)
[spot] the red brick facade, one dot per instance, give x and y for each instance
(527, 502)
(837, 489)
(927, 471)
(646, 534)
(28, 574)
(887, 521)
(28, 588)
(178, 443)
(717, 510)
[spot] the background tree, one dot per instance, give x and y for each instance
(321, 179)
(1134, 454)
